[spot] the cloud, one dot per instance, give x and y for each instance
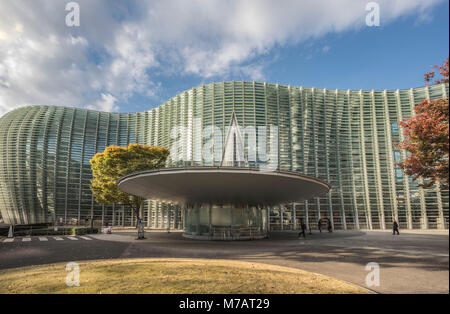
(122, 48)
(107, 104)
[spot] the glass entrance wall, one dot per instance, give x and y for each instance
(225, 222)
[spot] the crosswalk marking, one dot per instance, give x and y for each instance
(45, 239)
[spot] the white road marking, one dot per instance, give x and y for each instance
(43, 239)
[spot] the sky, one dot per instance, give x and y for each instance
(128, 56)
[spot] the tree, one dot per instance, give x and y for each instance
(116, 162)
(427, 137)
(443, 71)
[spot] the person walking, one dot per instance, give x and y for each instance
(395, 227)
(319, 225)
(303, 227)
(138, 222)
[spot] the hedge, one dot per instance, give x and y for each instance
(49, 231)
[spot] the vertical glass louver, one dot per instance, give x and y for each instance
(347, 138)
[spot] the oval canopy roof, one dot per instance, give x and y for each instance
(222, 185)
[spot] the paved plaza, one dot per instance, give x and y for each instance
(410, 263)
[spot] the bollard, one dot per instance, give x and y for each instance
(11, 232)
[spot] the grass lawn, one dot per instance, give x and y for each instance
(171, 275)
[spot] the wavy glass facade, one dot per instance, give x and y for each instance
(347, 138)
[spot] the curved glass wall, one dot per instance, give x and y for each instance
(347, 138)
(225, 222)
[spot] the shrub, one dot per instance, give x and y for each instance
(21, 232)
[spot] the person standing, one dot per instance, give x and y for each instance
(330, 226)
(319, 225)
(140, 227)
(303, 227)
(395, 227)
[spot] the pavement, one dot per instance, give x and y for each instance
(409, 263)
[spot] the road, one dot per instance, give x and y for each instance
(409, 263)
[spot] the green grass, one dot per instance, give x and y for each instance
(159, 275)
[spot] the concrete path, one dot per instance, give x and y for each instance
(409, 263)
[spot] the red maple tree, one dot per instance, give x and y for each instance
(427, 137)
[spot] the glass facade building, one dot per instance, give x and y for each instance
(347, 138)
(218, 221)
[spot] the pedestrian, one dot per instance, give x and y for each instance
(330, 226)
(140, 228)
(395, 227)
(303, 227)
(319, 225)
(139, 221)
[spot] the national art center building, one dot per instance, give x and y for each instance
(345, 138)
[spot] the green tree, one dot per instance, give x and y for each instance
(116, 162)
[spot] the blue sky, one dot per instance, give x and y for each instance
(395, 55)
(389, 57)
(132, 56)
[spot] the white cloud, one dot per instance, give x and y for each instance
(79, 40)
(107, 104)
(121, 47)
